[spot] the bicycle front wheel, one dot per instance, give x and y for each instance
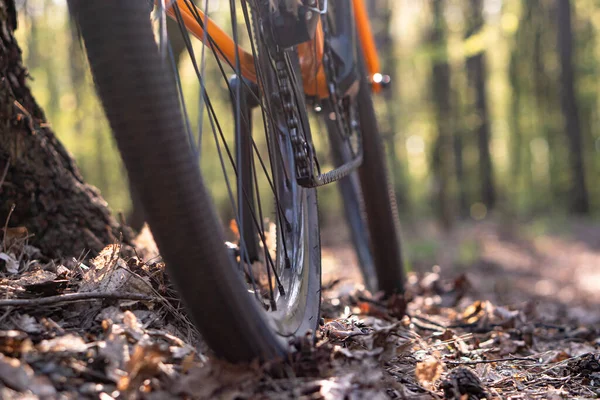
(247, 303)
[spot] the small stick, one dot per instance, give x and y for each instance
(12, 208)
(491, 361)
(4, 173)
(71, 297)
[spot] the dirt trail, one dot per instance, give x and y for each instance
(492, 311)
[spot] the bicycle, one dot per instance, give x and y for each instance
(317, 53)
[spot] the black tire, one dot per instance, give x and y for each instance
(141, 103)
(369, 201)
(353, 204)
(381, 209)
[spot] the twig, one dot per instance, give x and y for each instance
(12, 208)
(372, 301)
(330, 285)
(427, 324)
(70, 297)
(82, 256)
(4, 173)
(491, 361)
(26, 115)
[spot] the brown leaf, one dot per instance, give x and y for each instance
(214, 380)
(473, 312)
(14, 342)
(339, 331)
(559, 356)
(69, 343)
(36, 277)
(374, 310)
(110, 274)
(429, 370)
(144, 363)
(18, 232)
(133, 327)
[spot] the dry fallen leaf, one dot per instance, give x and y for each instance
(429, 371)
(110, 274)
(69, 343)
(27, 323)
(36, 277)
(18, 232)
(14, 343)
(144, 363)
(132, 325)
(473, 312)
(215, 380)
(11, 263)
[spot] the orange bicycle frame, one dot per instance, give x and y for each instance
(310, 53)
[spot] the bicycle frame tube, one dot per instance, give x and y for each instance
(310, 53)
(223, 44)
(367, 41)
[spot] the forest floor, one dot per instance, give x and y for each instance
(496, 310)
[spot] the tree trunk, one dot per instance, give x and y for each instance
(442, 151)
(42, 188)
(380, 12)
(578, 191)
(516, 141)
(476, 71)
(459, 164)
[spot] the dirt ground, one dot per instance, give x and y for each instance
(492, 310)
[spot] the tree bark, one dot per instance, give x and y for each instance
(381, 13)
(442, 151)
(516, 141)
(579, 202)
(42, 188)
(459, 164)
(477, 74)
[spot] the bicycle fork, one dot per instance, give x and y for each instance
(249, 241)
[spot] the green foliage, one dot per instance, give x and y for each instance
(518, 38)
(424, 250)
(469, 251)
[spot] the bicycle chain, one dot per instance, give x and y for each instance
(307, 166)
(302, 149)
(307, 169)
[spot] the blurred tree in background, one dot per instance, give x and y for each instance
(492, 107)
(476, 73)
(441, 152)
(577, 191)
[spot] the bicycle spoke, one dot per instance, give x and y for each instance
(202, 89)
(247, 205)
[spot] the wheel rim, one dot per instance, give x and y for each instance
(294, 213)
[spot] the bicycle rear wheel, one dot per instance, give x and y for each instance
(368, 197)
(381, 212)
(142, 105)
